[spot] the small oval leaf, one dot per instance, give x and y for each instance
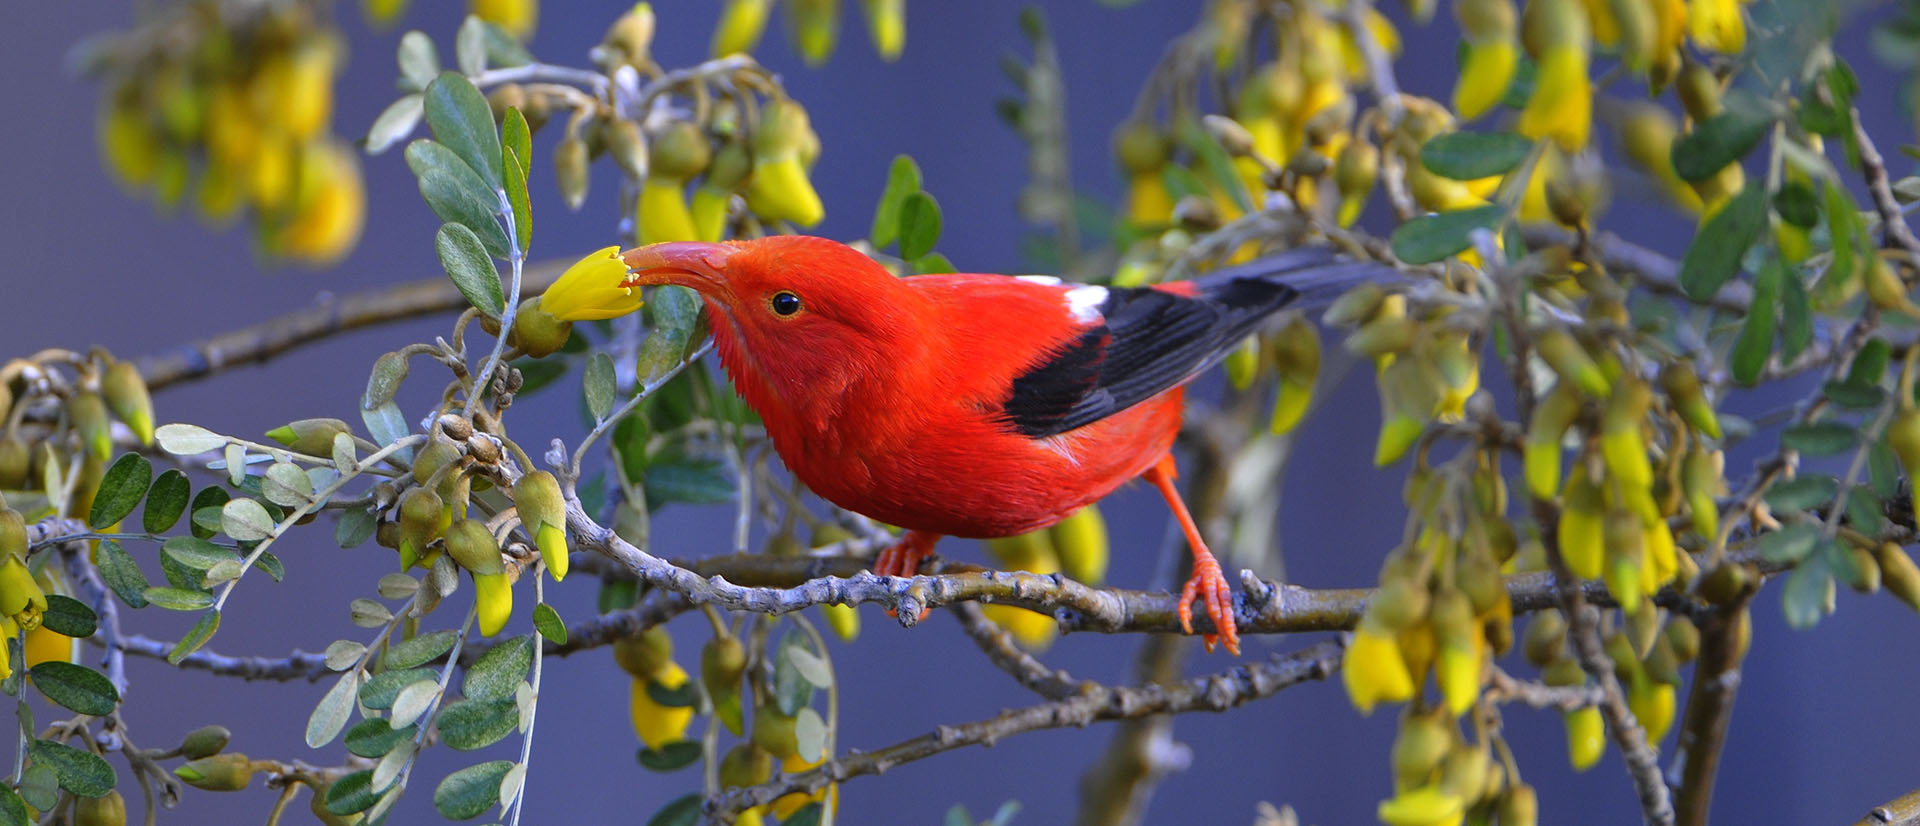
(121, 489)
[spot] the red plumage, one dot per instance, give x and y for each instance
(966, 405)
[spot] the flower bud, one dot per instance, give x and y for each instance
(774, 732)
(627, 146)
(1546, 638)
(1466, 772)
(1654, 704)
(570, 170)
(1725, 583)
(205, 741)
(109, 809)
(722, 661)
(424, 516)
(1903, 436)
(1682, 386)
(1374, 669)
(543, 512)
(1560, 351)
(779, 188)
(1581, 534)
(1358, 304)
(745, 765)
(1625, 540)
(1457, 670)
(126, 394)
(1683, 638)
(1296, 357)
(644, 654)
(1898, 574)
(13, 534)
(1586, 738)
(1520, 806)
(89, 414)
(472, 547)
(741, 24)
(1552, 415)
(227, 772)
(843, 619)
(1423, 742)
(313, 437)
(631, 36)
(657, 725)
(1424, 806)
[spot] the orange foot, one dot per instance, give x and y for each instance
(903, 558)
(1210, 585)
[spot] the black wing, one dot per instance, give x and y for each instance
(1152, 340)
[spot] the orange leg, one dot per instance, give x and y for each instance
(1207, 582)
(903, 558)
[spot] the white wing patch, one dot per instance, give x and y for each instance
(1043, 280)
(1085, 301)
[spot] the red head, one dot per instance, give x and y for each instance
(797, 320)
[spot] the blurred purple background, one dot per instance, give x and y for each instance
(1824, 724)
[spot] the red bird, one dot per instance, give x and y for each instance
(971, 405)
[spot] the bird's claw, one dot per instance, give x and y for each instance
(1210, 585)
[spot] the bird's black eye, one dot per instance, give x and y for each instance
(785, 303)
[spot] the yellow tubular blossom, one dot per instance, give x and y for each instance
(331, 206)
(1586, 738)
(1562, 104)
(1717, 26)
(590, 289)
(741, 25)
(657, 725)
(1425, 806)
(21, 600)
(1374, 671)
(1492, 54)
(517, 17)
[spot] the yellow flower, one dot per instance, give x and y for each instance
(1424, 806)
(655, 724)
(1562, 104)
(333, 207)
(1374, 670)
(590, 289)
(1484, 78)
(21, 599)
(47, 645)
(1716, 25)
(517, 17)
(1586, 738)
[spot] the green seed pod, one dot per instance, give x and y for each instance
(1520, 806)
(543, 511)
(313, 437)
(774, 731)
(1465, 773)
(537, 332)
(431, 458)
(89, 413)
(1898, 574)
(471, 545)
(1546, 638)
(109, 809)
(1699, 92)
(205, 741)
(15, 459)
(644, 654)
(745, 765)
(722, 661)
(227, 772)
(1423, 742)
(423, 518)
(1683, 638)
(126, 394)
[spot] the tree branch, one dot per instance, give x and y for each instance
(1893, 223)
(1217, 692)
(326, 317)
(1901, 811)
(999, 647)
(1703, 729)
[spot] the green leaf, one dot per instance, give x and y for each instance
(499, 671)
(810, 732)
(203, 629)
(502, 49)
(1755, 343)
(469, 47)
(381, 688)
(1864, 510)
(331, 715)
(1796, 317)
(933, 263)
(466, 262)
(1714, 256)
(1820, 438)
(598, 385)
(470, 792)
(196, 553)
(1802, 492)
(476, 724)
(1804, 599)
(516, 137)
(460, 118)
(352, 794)
(81, 772)
(40, 786)
(903, 179)
(1720, 140)
(1467, 156)
(121, 574)
(457, 194)
(76, 687)
(919, 225)
(187, 439)
(1883, 469)
(1796, 204)
(246, 520)
(1852, 396)
(693, 481)
(179, 599)
(1790, 544)
(356, 526)
(686, 696)
(681, 811)
(208, 499)
(69, 616)
(121, 489)
(1430, 238)
(547, 622)
(1870, 364)
(395, 123)
(517, 200)
(810, 666)
(374, 737)
(419, 62)
(166, 500)
(13, 810)
(1843, 227)
(670, 756)
(792, 691)
(421, 650)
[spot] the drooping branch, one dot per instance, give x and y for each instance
(1703, 731)
(1217, 692)
(999, 647)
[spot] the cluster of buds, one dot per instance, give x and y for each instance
(431, 516)
(1075, 546)
(237, 107)
(1439, 778)
(1442, 607)
(814, 24)
(1427, 367)
(57, 424)
(22, 602)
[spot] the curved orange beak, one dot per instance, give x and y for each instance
(696, 264)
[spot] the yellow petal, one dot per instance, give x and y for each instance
(590, 289)
(655, 724)
(1374, 671)
(1484, 77)
(1562, 104)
